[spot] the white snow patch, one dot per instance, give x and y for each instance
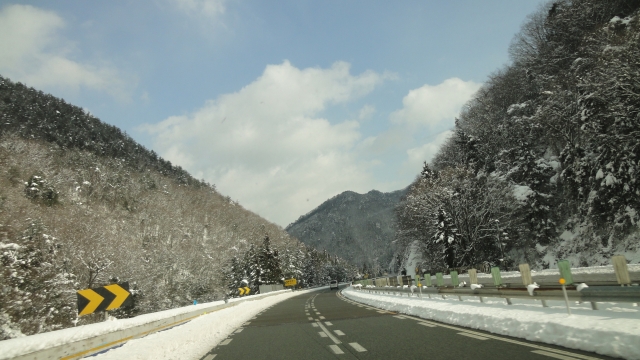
(606, 332)
(216, 327)
(521, 192)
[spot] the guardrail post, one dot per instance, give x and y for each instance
(427, 279)
(473, 276)
(525, 274)
(473, 279)
(497, 280)
(440, 281)
(455, 281)
(622, 271)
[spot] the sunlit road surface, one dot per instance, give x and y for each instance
(325, 325)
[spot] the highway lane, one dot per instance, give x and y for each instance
(325, 325)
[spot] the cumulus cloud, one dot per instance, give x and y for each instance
(33, 52)
(267, 144)
(434, 105)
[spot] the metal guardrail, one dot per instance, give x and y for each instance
(72, 348)
(629, 294)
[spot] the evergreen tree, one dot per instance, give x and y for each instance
(269, 264)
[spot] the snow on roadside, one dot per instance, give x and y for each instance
(195, 338)
(612, 333)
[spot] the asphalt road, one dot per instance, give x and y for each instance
(325, 325)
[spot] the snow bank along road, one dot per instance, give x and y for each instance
(324, 324)
(327, 325)
(613, 330)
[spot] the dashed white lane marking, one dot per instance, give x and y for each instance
(314, 324)
(549, 354)
(322, 334)
(247, 323)
(336, 349)
(321, 317)
(329, 334)
(210, 356)
(317, 313)
(357, 347)
(310, 318)
(338, 332)
(239, 330)
(328, 323)
(473, 336)
(225, 342)
(425, 324)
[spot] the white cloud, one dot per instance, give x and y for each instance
(267, 145)
(33, 52)
(417, 155)
(434, 105)
(366, 112)
(207, 8)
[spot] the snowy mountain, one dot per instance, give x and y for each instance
(356, 227)
(82, 205)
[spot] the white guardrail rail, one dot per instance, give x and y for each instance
(614, 283)
(85, 340)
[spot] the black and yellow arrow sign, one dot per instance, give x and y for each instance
(103, 298)
(244, 290)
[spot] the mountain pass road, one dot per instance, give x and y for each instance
(326, 325)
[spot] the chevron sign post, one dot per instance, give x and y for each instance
(103, 298)
(244, 291)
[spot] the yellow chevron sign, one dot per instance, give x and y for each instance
(290, 282)
(103, 298)
(244, 290)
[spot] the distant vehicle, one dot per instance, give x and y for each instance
(333, 284)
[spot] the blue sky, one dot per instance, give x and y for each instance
(281, 104)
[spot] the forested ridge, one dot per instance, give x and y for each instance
(543, 161)
(83, 205)
(357, 227)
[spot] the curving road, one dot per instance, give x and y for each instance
(325, 325)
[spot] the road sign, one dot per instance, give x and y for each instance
(290, 282)
(103, 298)
(244, 291)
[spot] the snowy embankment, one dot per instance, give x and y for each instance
(613, 331)
(189, 340)
(195, 338)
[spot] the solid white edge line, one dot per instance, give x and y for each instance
(226, 342)
(473, 336)
(550, 354)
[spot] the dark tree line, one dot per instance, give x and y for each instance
(32, 114)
